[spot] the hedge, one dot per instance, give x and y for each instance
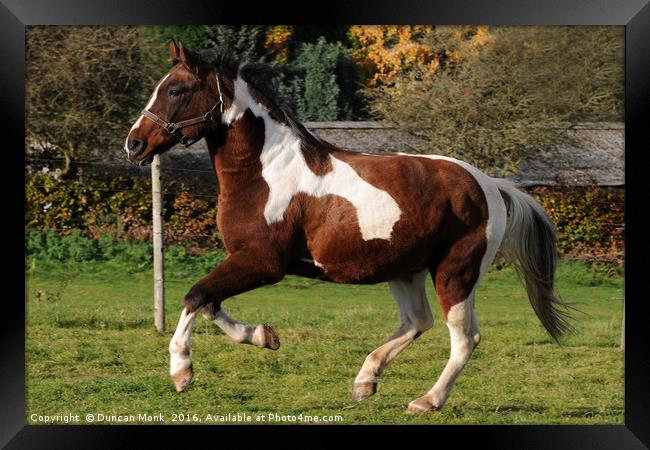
(120, 206)
(589, 220)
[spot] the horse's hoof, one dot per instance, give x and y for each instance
(271, 339)
(420, 405)
(183, 378)
(362, 391)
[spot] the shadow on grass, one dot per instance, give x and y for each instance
(102, 324)
(591, 412)
(507, 409)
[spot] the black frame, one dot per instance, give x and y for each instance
(633, 14)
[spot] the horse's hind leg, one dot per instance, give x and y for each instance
(259, 335)
(415, 317)
(465, 336)
(455, 279)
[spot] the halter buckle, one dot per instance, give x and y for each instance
(209, 117)
(171, 128)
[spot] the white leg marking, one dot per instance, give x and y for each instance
(181, 344)
(238, 331)
(415, 317)
(463, 342)
(286, 172)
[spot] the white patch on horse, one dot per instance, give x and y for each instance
(149, 104)
(286, 172)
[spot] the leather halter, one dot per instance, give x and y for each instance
(174, 128)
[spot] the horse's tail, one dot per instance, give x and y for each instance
(530, 244)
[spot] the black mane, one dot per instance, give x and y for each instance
(260, 77)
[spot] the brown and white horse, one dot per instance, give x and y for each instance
(291, 203)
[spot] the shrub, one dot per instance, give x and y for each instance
(74, 251)
(496, 96)
(319, 82)
(590, 221)
(119, 208)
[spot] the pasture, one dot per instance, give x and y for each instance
(92, 349)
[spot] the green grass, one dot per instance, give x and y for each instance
(92, 348)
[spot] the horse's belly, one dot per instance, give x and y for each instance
(346, 258)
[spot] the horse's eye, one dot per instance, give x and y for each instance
(174, 93)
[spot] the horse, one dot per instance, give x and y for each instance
(292, 203)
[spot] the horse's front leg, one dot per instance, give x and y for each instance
(261, 335)
(239, 273)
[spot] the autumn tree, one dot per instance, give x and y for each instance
(384, 51)
(496, 96)
(277, 42)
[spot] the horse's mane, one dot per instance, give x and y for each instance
(260, 77)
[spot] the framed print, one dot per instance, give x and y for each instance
(91, 361)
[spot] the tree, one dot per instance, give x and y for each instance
(277, 41)
(497, 96)
(317, 80)
(244, 41)
(384, 51)
(319, 83)
(155, 43)
(84, 85)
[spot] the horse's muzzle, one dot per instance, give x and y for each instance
(135, 147)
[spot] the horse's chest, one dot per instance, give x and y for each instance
(239, 220)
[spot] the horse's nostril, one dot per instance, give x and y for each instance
(135, 146)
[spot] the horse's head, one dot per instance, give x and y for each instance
(185, 105)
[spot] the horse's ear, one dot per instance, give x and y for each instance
(188, 58)
(173, 52)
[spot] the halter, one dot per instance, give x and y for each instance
(174, 128)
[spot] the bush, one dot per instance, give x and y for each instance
(590, 221)
(120, 202)
(50, 247)
(319, 82)
(497, 96)
(119, 208)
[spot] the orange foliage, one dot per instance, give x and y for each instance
(384, 51)
(277, 41)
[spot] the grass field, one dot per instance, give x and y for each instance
(92, 349)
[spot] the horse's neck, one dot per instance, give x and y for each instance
(257, 147)
(246, 150)
(235, 155)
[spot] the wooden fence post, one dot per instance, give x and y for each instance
(158, 260)
(623, 329)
